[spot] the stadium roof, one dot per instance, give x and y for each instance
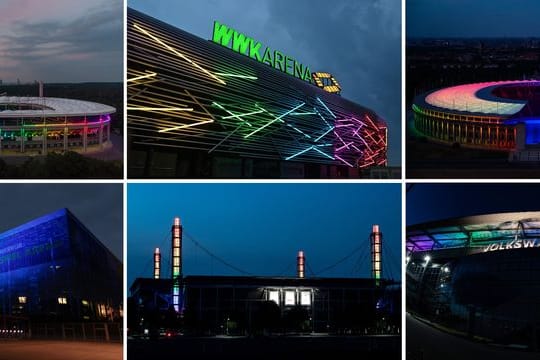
(478, 98)
(52, 107)
(473, 231)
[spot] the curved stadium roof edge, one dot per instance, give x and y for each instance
(52, 107)
(475, 98)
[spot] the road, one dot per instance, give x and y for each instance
(319, 347)
(58, 350)
(425, 343)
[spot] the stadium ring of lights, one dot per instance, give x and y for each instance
(502, 115)
(474, 234)
(41, 124)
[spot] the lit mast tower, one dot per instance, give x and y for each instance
(176, 256)
(376, 248)
(157, 264)
(300, 262)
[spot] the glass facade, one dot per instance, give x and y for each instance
(54, 269)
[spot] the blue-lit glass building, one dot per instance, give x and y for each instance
(54, 269)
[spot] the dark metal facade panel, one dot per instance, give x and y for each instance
(189, 93)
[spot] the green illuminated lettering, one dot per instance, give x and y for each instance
(278, 60)
(240, 42)
(267, 57)
(222, 34)
(307, 75)
(254, 48)
(289, 63)
(299, 70)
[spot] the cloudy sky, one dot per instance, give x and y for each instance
(98, 206)
(473, 18)
(359, 42)
(259, 228)
(61, 40)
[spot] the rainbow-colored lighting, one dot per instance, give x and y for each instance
(176, 258)
(376, 250)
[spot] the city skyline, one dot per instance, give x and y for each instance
(233, 222)
(472, 19)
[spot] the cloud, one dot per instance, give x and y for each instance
(64, 41)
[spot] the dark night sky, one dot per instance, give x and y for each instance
(359, 42)
(260, 227)
(61, 40)
(98, 206)
(472, 18)
(427, 202)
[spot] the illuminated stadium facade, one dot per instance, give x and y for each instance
(501, 115)
(42, 124)
(54, 270)
(233, 107)
(478, 275)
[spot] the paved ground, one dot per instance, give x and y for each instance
(58, 350)
(304, 347)
(425, 342)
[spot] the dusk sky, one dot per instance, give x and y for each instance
(98, 206)
(61, 40)
(472, 18)
(259, 228)
(359, 42)
(430, 202)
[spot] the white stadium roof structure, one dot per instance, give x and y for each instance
(50, 107)
(478, 98)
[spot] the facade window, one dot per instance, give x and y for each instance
(22, 299)
(305, 298)
(102, 310)
(62, 300)
(273, 295)
(290, 297)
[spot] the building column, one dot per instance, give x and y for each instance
(101, 135)
(65, 138)
(85, 132)
(44, 140)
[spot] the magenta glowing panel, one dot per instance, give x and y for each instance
(467, 98)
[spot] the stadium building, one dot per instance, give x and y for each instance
(239, 305)
(231, 107)
(54, 270)
(42, 124)
(478, 276)
(501, 115)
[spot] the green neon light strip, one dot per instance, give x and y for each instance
(273, 121)
(238, 76)
(239, 115)
(232, 114)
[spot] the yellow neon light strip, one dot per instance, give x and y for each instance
(185, 126)
(174, 51)
(238, 76)
(142, 77)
